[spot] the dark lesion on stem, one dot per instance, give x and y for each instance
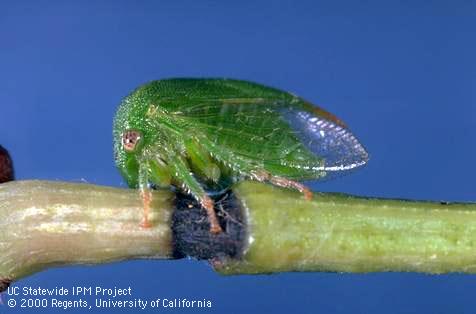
(191, 229)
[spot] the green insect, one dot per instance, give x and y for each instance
(201, 135)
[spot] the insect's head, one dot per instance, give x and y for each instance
(130, 138)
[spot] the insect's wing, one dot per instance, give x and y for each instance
(288, 138)
(327, 137)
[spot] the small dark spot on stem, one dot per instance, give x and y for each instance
(6, 166)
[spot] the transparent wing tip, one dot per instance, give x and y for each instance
(335, 144)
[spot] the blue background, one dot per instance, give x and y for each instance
(401, 74)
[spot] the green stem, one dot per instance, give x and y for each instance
(337, 232)
(46, 224)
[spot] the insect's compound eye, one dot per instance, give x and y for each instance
(130, 138)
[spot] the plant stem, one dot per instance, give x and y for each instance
(47, 224)
(338, 232)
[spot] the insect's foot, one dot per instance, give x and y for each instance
(307, 194)
(215, 229)
(208, 204)
(145, 224)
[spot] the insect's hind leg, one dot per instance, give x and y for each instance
(263, 175)
(181, 174)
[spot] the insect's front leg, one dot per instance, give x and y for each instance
(146, 195)
(182, 177)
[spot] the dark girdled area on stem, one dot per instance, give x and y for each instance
(191, 229)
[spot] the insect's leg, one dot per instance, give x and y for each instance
(146, 195)
(159, 173)
(182, 176)
(282, 182)
(227, 158)
(201, 161)
(244, 167)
